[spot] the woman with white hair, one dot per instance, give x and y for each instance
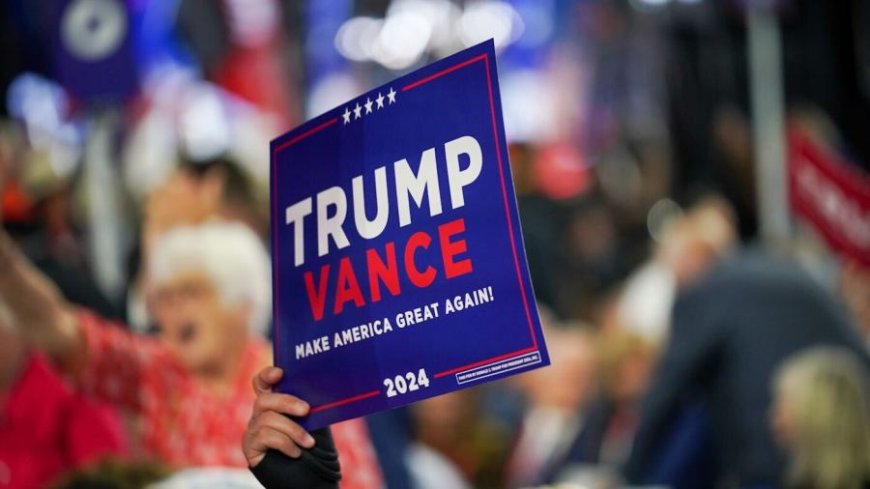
(189, 389)
(821, 417)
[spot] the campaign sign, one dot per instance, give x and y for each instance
(831, 195)
(93, 51)
(399, 269)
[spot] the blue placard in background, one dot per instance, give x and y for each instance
(93, 51)
(398, 262)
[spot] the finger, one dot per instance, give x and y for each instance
(254, 458)
(265, 379)
(281, 403)
(266, 438)
(288, 427)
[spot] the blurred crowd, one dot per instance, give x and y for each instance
(685, 352)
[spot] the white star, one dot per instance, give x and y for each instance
(368, 105)
(380, 100)
(391, 95)
(357, 111)
(346, 115)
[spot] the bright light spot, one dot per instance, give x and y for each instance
(356, 38)
(529, 106)
(442, 15)
(331, 91)
(402, 40)
(413, 27)
(485, 20)
(648, 5)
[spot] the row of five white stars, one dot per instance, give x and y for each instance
(357, 110)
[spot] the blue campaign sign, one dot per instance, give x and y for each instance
(93, 53)
(399, 269)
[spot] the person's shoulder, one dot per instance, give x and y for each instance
(752, 268)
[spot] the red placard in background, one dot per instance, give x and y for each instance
(830, 195)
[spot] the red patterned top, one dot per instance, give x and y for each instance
(182, 422)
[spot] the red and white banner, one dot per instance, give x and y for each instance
(831, 195)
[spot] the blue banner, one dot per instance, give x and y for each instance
(399, 269)
(93, 52)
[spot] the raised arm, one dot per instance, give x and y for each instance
(45, 320)
(104, 358)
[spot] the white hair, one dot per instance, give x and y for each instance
(229, 254)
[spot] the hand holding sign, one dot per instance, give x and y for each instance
(399, 272)
(270, 426)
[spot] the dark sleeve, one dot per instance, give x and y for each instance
(695, 336)
(317, 468)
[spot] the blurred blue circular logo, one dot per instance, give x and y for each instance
(93, 30)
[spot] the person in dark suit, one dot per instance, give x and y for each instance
(731, 330)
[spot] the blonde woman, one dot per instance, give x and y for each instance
(821, 418)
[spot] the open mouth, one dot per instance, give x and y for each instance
(186, 333)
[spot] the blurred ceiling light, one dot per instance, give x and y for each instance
(442, 15)
(402, 40)
(413, 27)
(329, 92)
(356, 38)
(490, 19)
(648, 5)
